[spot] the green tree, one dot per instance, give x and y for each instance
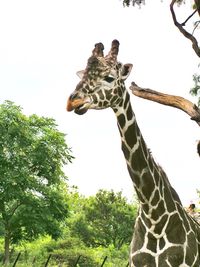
(33, 197)
(106, 219)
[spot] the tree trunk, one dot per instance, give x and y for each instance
(7, 247)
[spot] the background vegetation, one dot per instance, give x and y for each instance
(40, 216)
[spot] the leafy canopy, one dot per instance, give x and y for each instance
(104, 219)
(32, 183)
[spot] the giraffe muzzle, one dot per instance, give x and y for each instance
(73, 104)
(79, 105)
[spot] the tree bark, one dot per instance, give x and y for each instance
(170, 100)
(7, 247)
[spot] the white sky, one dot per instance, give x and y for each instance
(45, 42)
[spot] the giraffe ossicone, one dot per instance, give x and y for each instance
(164, 234)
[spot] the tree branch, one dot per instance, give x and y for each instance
(169, 100)
(183, 31)
(195, 26)
(15, 208)
(183, 23)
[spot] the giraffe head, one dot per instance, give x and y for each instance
(102, 81)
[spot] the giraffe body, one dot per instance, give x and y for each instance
(164, 234)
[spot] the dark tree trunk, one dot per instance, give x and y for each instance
(7, 246)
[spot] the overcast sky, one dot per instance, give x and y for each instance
(44, 43)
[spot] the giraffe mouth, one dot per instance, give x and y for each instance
(80, 110)
(78, 105)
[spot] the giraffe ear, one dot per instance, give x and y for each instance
(80, 73)
(126, 70)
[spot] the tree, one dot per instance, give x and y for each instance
(33, 197)
(106, 219)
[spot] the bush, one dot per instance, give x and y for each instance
(68, 251)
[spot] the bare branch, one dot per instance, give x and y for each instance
(15, 208)
(183, 23)
(195, 26)
(169, 100)
(183, 31)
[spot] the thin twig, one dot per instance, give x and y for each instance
(183, 24)
(196, 25)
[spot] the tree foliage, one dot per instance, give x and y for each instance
(32, 182)
(35, 200)
(195, 91)
(96, 227)
(140, 2)
(104, 219)
(133, 2)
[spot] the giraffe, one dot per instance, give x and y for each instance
(164, 234)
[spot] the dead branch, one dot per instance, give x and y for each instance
(183, 31)
(183, 23)
(195, 26)
(169, 100)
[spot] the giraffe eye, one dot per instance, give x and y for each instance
(108, 79)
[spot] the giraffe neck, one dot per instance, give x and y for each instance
(150, 182)
(164, 235)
